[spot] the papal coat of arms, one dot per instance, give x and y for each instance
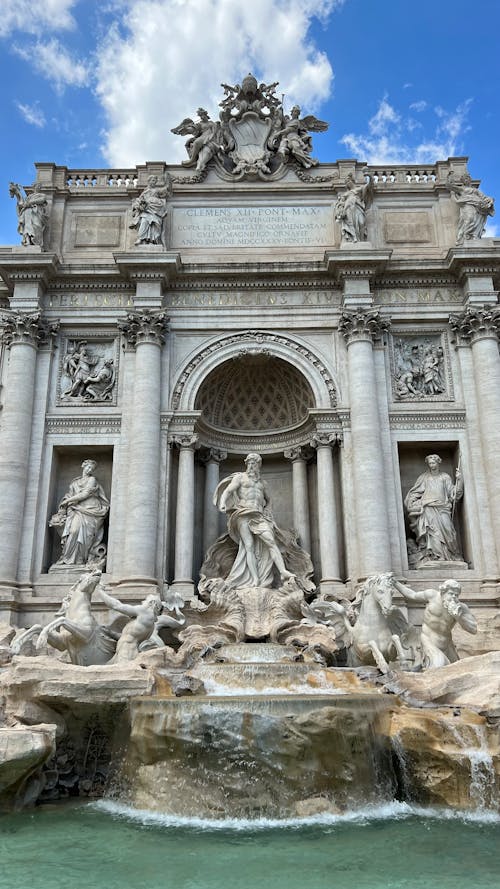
(253, 136)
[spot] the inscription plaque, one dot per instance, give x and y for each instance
(257, 226)
(407, 228)
(97, 231)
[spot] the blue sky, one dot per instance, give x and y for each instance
(92, 83)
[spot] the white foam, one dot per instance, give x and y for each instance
(220, 690)
(389, 811)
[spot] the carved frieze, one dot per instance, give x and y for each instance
(420, 366)
(78, 425)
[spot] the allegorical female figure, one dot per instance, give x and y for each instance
(81, 515)
(429, 505)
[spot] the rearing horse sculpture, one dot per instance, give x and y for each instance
(75, 629)
(378, 625)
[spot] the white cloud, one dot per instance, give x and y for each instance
(492, 230)
(32, 114)
(55, 63)
(419, 106)
(169, 56)
(389, 136)
(35, 16)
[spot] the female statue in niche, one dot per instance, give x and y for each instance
(81, 515)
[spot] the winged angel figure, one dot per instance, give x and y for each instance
(293, 140)
(206, 139)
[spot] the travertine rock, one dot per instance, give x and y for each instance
(447, 757)
(47, 680)
(472, 682)
(22, 750)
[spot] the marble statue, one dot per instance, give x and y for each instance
(261, 546)
(150, 209)
(293, 139)
(419, 369)
(378, 624)
(474, 207)
(430, 504)
(253, 136)
(205, 139)
(80, 516)
(350, 209)
(442, 611)
(75, 628)
(143, 627)
(31, 213)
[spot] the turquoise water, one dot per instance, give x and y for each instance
(105, 846)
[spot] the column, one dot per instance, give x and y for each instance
(327, 510)
(145, 331)
(479, 326)
(22, 332)
(301, 522)
(212, 459)
(184, 514)
(359, 329)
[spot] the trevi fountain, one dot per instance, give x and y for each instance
(249, 499)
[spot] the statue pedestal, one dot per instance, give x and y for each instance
(443, 568)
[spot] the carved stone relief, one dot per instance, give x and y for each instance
(420, 368)
(88, 372)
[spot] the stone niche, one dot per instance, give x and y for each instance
(412, 464)
(66, 466)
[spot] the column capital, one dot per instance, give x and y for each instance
(144, 326)
(325, 440)
(213, 455)
(302, 452)
(26, 327)
(185, 442)
(366, 326)
(476, 323)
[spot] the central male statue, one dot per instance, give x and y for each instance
(244, 497)
(254, 553)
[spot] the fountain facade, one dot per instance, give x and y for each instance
(249, 416)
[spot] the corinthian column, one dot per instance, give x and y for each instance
(479, 326)
(22, 332)
(327, 511)
(300, 496)
(145, 331)
(359, 330)
(184, 516)
(212, 459)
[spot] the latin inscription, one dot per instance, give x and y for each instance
(252, 226)
(270, 298)
(431, 295)
(90, 300)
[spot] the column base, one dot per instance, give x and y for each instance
(332, 586)
(183, 588)
(136, 588)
